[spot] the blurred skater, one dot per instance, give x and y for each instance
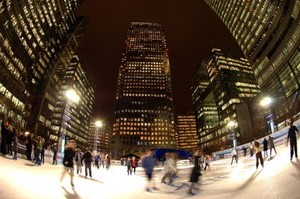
(194, 178)
(148, 164)
(265, 144)
(271, 145)
(69, 155)
(234, 155)
(258, 154)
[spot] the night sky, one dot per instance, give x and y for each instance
(191, 28)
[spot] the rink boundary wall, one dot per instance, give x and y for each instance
(279, 137)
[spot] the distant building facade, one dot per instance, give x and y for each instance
(224, 85)
(268, 33)
(102, 135)
(144, 116)
(187, 138)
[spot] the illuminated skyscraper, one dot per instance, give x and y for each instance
(224, 85)
(186, 132)
(268, 33)
(144, 116)
(38, 64)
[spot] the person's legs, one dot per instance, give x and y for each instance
(261, 159)
(90, 170)
(72, 176)
(164, 177)
(292, 150)
(256, 160)
(85, 169)
(191, 188)
(63, 173)
(295, 148)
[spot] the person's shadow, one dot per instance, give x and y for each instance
(248, 181)
(71, 195)
(297, 166)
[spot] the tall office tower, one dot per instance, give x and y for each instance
(144, 116)
(231, 86)
(32, 36)
(268, 33)
(187, 138)
(71, 120)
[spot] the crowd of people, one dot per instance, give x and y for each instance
(74, 156)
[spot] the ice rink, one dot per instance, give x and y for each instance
(280, 178)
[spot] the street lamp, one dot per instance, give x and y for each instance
(98, 125)
(231, 124)
(70, 96)
(265, 102)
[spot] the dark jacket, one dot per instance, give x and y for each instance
(292, 134)
(87, 157)
(68, 157)
(195, 174)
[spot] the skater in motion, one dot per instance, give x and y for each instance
(234, 155)
(148, 164)
(194, 178)
(272, 145)
(258, 154)
(69, 155)
(293, 140)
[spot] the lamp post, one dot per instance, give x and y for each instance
(231, 125)
(71, 96)
(266, 102)
(98, 125)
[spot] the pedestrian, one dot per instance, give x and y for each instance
(29, 146)
(148, 164)
(245, 151)
(170, 168)
(293, 139)
(134, 164)
(15, 141)
(43, 150)
(54, 150)
(258, 154)
(194, 177)
(39, 147)
(69, 154)
(107, 162)
(4, 136)
(102, 161)
(251, 148)
(207, 162)
(97, 159)
(271, 145)
(265, 145)
(88, 159)
(234, 155)
(10, 138)
(128, 163)
(78, 160)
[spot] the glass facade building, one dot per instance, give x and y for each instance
(224, 84)
(268, 33)
(37, 38)
(144, 116)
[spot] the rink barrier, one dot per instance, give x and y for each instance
(279, 137)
